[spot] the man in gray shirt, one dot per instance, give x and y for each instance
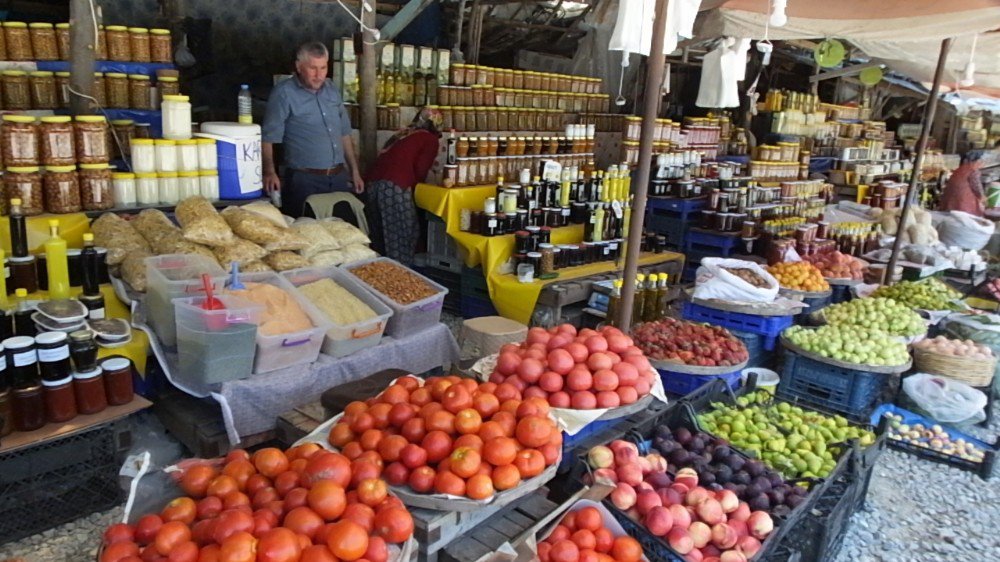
(306, 114)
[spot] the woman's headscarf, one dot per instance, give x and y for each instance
(427, 119)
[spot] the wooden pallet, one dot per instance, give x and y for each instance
(197, 423)
(299, 422)
(505, 527)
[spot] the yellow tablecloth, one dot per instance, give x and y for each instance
(71, 228)
(137, 349)
(511, 298)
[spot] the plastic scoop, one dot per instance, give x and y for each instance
(234, 276)
(213, 322)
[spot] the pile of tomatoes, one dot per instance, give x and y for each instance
(305, 504)
(580, 370)
(582, 537)
(450, 435)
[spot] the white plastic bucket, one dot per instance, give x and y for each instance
(766, 378)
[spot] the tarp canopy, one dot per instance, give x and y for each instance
(904, 34)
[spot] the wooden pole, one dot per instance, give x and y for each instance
(369, 55)
(82, 41)
(925, 130)
(651, 107)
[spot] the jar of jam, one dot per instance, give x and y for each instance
(53, 355)
(6, 416)
(544, 235)
(522, 241)
(60, 400)
(28, 408)
(89, 389)
(83, 350)
(22, 361)
(117, 380)
(535, 259)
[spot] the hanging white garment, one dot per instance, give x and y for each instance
(680, 22)
(634, 27)
(721, 71)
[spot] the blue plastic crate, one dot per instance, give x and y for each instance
(815, 304)
(681, 384)
(704, 240)
(759, 357)
(770, 327)
(474, 307)
(675, 206)
(672, 228)
(841, 293)
(852, 393)
(690, 272)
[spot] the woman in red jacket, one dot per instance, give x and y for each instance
(401, 165)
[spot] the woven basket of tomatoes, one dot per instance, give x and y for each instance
(305, 503)
(450, 443)
(589, 532)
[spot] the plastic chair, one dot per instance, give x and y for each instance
(489, 333)
(323, 204)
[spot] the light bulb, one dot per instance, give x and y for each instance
(969, 76)
(778, 19)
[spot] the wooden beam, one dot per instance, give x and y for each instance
(82, 41)
(846, 71)
(403, 18)
(369, 57)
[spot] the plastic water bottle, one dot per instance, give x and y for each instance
(245, 104)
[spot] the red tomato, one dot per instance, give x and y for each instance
(377, 551)
(146, 528)
(317, 553)
(119, 532)
(278, 545)
(184, 552)
(303, 520)
(171, 534)
(231, 522)
(240, 547)
(208, 507)
(118, 551)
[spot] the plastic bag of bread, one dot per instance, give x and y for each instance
(254, 267)
(153, 225)
(344, 232)
(202, 223)
(283, 261)
(260, 230)
(118, 236)
(133, 269)
(240, 251)
(175, 243)
(358, 252)
(333, 257)
(268, 211)
(319, 239)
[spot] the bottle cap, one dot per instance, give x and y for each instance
(53, 223)
(88, 237)
(21, 292)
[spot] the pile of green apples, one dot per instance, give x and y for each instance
(795, 442)
(850, 344)
(926, 294)
(879, 314)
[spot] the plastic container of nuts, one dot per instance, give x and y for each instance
(415, 300)
(25, 183)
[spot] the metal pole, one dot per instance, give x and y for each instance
(369, 130)
(925, 131)
(651, 106)
(82, 41)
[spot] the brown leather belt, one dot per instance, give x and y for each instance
(323, 171)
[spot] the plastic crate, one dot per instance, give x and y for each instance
(676, 206)
(172, 276)
(673, 229)
(343, 340)
(215, 346)
(474, 307)
(60, 480)
(984, 469)
(439, 242)
(449, 280)
(681, 384)
(853, 393)
(602, 432)
(294, 348)
(770, 327)
(840, 293)
(702, 240)
(759, 357)
(410, 318)
(815, 304)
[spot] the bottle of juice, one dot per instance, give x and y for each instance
(661, 295)
(638, 301)
(56, 263)
(614, 303)
(650, 307)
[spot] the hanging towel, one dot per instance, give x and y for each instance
(721, 70)
(638, 15)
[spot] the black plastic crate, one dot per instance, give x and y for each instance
(61, 480)
(603, 432)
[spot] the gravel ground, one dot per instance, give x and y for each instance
(917, 511)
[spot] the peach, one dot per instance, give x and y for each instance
(644, 487)
(688, 477)
(728, 500)
(697, 496)
(732, 556)
(723, 536)
(670, 496)
(681, 516)
(760, 525)
(739, 526)
(681, 489)
(623, 496)
(606, 476)
(741, 513)
(646, 501)
(629, 473)
(694, 556)
(600, 457)
(619, 444)
(626, 455)
(659, 521)
(680, 540)
(710, 511)
(700, 534)
(749, 546)
(657, 463)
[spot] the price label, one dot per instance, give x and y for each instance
(52, 355)
(616, 206)
(25, 358)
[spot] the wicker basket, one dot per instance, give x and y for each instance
(974, 372)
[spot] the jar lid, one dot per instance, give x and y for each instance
(18, 342)
(100, 166)
(158, 31)
(91, 119)
(176, 98)
(138, 30)
(14, 24)
(42, 74)
(208, 173)
(167, 174)
(115, 75)
(534, 254)
(116, 28)
(123, 176)
(203, 140)
(14, 73)
(122, 122)
(60, 382)
(188, 174)
(20, 259)
(60, 169)
(142, 142)
(23, 169)
(164, 142)
(166, 78)
(62, 74)
(40, 25)
(145, 175)
(99, 75)
(63, 25)
(56, 119)
(187, 142)
(49, 338)
(139, 77)
(96, 372)
(116, 364)
(81, 335)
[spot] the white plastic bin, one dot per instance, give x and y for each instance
(294, 348)
(407, 319)
(173, 276)
(343, 340)
(215, 346)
